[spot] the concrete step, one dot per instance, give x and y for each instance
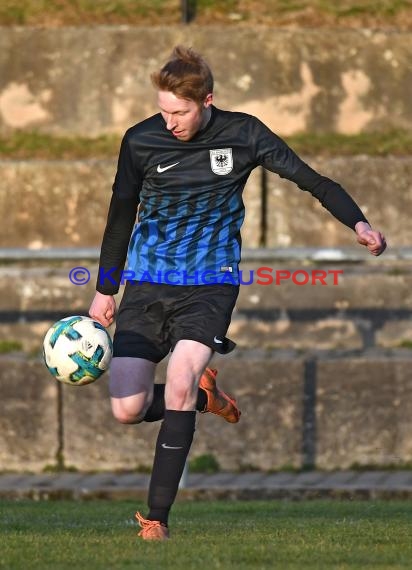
(370, 304)
(378, 285)
(251, 485)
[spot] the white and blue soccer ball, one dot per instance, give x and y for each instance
(77, 350)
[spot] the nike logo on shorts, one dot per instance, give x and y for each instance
(217, 340)
(161, 169)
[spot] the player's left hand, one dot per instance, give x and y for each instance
(375, 241)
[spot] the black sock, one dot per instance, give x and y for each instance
(156, 409)
(172, 447)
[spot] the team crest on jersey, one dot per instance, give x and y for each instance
(221, 160)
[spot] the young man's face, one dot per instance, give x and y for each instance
(183, 117)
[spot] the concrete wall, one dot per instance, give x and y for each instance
(322, 374)
(351, 410)
(64, 203)
(90, 81)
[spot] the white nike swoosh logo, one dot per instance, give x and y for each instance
(170, 446)
(217, 340)
(163, 168)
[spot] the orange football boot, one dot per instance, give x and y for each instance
(218, 402)
(152, 530)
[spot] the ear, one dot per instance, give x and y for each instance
(208, 101)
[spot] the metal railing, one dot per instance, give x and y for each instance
(316, 254)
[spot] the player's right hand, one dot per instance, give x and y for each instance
(103, 309)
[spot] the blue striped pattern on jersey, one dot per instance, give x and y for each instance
(189, 236)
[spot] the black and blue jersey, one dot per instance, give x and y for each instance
(188, 199)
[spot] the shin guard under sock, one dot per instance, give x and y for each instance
(172, 447)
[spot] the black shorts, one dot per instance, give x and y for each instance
(153, 317)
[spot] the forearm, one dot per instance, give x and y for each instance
(120, 222)
(331, 195)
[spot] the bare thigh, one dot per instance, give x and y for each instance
(131, 388)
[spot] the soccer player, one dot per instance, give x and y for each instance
(182, 173)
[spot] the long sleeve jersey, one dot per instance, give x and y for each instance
(176, 209)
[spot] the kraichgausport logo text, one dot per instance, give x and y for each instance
(263, 275)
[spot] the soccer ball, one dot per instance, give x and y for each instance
(77, 350)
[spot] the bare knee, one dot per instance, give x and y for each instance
(127, 417)
(130, 410)
(186, 365)
(181, 391)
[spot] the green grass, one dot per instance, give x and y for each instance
(405, 343)
(239, 535)
(271, 12)
(7, 346)
(34, 145)
(83, 12)
(206, 463)
(393, 142)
